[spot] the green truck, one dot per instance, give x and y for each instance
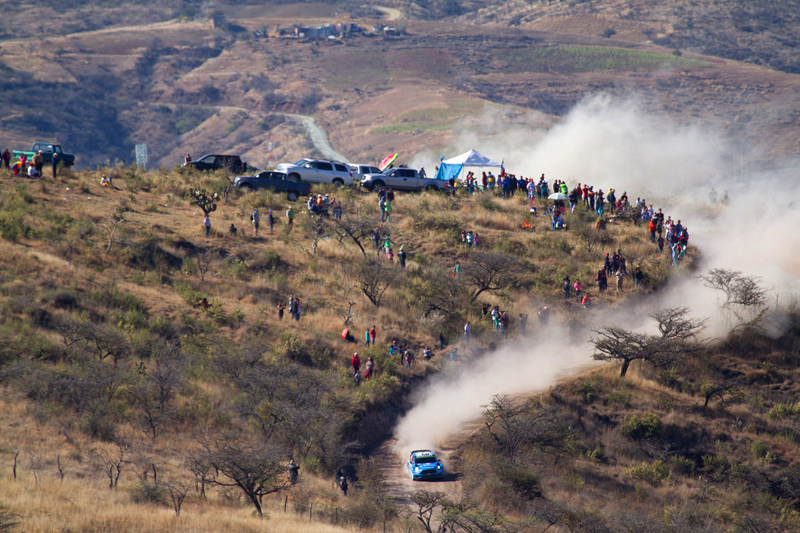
(48, 149)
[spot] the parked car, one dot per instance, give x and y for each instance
(359, 171)
(48, 149)
(401, 179)
(230, 163)
(423, 464)
(276, 181)
(318, 171)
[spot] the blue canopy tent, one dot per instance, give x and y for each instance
(447, 171)
(454, 165)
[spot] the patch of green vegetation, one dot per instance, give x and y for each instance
(653, 473)
(646, 426)
(430, 119)
(574, 59)
(188, 118)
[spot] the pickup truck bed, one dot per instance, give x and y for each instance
(402, 179)
(47, 151)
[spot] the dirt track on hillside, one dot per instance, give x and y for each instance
(400, 486)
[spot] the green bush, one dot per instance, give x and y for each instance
(654, 473)
(587, 389)
(684, 465)
(780, 411)
(717, 464)
(646, 426)
(761, 451)
(524, 481)
(13, 226)
(145, 492)
(65, 299)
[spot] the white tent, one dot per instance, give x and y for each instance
(471, 159)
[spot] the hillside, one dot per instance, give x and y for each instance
(107, 350)
(150, 383)
(167, 77)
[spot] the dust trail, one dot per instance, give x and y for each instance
(449, 401)
(684, 168)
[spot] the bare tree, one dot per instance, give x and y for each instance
(617, 344)
(155, 391)
(677, 338)
(317, 228)
(741, 293)
(177, 491)
(426, 503)
(720, 390)
(256, 469)
(111, 225)
(518, 426)
(203, 264)
(490, 272)
(346, 314)
(432, 289)
(113, 463)
(200, 465)
(354, 228)
(373, 277)
(467, 517)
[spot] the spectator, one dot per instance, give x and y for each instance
(356, 363)
(207, 225)
(293, 468)
(7, 159)
(638, 277)
(270, 221)
(544, 315)
(55, 165)
(467, 332)
(290, 217)
(38, 162)
(255, 218)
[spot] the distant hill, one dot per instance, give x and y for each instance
(182, 78)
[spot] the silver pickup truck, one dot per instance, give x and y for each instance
(401, 179)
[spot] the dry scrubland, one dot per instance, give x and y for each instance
(107, 350)
(108, 357)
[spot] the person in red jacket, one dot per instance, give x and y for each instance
(372, 334)
(356, 363)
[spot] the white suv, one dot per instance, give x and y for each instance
(318, 171)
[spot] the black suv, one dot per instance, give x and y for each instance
(229, 163)
(276, 181)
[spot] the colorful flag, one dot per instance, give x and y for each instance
(388, 160)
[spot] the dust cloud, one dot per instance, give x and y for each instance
(740, 218)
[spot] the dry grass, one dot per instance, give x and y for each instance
(244, 298)
(87, 505)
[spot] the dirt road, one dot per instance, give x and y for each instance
(399, 482)
(390, 12)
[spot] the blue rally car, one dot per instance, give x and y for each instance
(423, 464)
